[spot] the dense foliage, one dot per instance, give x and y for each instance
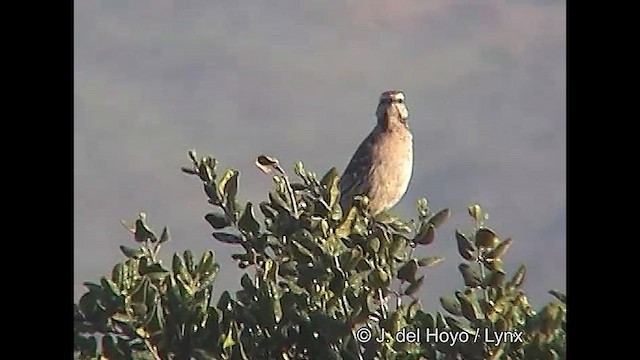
(318, 281)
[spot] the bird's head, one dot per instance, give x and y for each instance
(392, 111)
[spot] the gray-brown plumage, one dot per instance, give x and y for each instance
(382, 165)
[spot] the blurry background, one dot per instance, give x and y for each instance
(484, 80)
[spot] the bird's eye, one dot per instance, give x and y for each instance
(400, 101)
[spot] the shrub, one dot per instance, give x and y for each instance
(318, 283)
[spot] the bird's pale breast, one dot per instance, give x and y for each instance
(391, 172)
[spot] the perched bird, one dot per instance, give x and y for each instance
(382, 165)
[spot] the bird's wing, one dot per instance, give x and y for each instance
(354, 178)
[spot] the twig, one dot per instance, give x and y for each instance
(152, 349)
(343, 304)
(481, 251)
(485, 291)
(383, 308)
(294, 203)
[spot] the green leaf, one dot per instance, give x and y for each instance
(374, 245)
(268, 211)
(205, 262)
(229, 340)
(142, 231)
(356, 280)
(344, 229)
(379, 278)
(414, 287)
(438, 219)
(212, 193)
(288, 269)
(248, 221)
(87, 344)
(217, 221)
(154, 270)
(193, 155)
(165, 236)
(466, 249)
(118, 275)
(298, 186)
(205, 172)
(519, 277)
(495, 279)
(494, 264)
(110, 286)
(400, 226)
(398, 248)
(225, 302)
(385, 218)
(486, 238)
(550, 354)
(329, 177)
(110, 349)
(329, 327)
(247, 284)
(499, 250)
(476, 212)
(93, 287)
(188, 261)
(350, 259)
(333, 246)
(301, 249)
(157, 320)
(267, 164)
(469, 306)
(470, 275)
(298, 168)
(275, 308)
(552, 316)
(227, 238)
(131, 269)
(408, 271)
(77, 314)
(413, 309)
(423, 208)
(338, 283)
(226, 177)
(139, 288)
(270, 270)
(201, 354)
(331, 180)
(209, 277)
(139, 309)
(430, 261)
(277, 202)
(231, 191)
(458, 326)
(451, 305)
(122, 318)
(180, 269)
(131, 253)
(189, 171)
(88, 303)
(187, 290)
(559, 295)
(426, 234)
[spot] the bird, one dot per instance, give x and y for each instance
(382, 165)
